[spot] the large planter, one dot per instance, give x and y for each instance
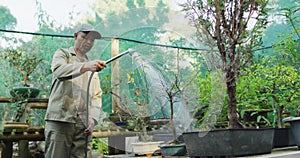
(295, 126)
(283, 137)
(229, 142)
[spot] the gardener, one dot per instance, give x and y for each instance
(66, 126)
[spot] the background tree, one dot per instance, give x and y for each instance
(7, 20)
(280, 15)
(235, 27)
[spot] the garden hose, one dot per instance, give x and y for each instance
(88, 89)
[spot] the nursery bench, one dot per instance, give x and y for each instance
(23, 133)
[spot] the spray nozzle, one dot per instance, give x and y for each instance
(130, 50)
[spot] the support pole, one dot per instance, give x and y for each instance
(115, 75)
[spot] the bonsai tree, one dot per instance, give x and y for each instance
(139, 109)
(227, 24)
(180, 90)
(25, 63)
(274, 86)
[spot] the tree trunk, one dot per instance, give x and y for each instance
(26, 84)
(234, 121)
(175, 140)
(279, 112)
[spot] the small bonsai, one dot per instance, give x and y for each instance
(140, 94)
(180, 91)
(24, 63)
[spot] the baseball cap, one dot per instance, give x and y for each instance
(88, 28)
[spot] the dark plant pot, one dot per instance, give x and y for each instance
(24, 92)
(283, 137)
(295, 126)
(173, 149)
(229, 142)
(121, 123)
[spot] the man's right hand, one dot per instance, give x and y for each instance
(95, 66)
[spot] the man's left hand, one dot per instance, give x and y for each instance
(90, 127)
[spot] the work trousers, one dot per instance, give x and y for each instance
(66, 140)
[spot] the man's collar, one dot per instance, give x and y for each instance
(72, 51)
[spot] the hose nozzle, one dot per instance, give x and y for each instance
(130, 50)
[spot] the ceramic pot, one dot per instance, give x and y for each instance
(24, 92)
(229, 142)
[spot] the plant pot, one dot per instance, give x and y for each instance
(173, 149)
(24, 92)
(295, 126)
(146, 148)
(121, 123)
(229, 142)
(283, 137)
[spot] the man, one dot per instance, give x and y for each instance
(66, 126)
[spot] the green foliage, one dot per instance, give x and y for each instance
(205, 88)
(25, 63)
(100, 145)
(138, 89)
(287, 50)
(268, 86)
(213, 107)
(7, 20)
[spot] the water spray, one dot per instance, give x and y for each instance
(88, 89)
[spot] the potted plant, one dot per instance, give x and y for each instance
(25, 63)
(234, 44)
(120, 117)
(145, 144)
(168, 90)
(139, 108)
(224, 141)
(275, 81)
(270, 88)
(179, 90)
